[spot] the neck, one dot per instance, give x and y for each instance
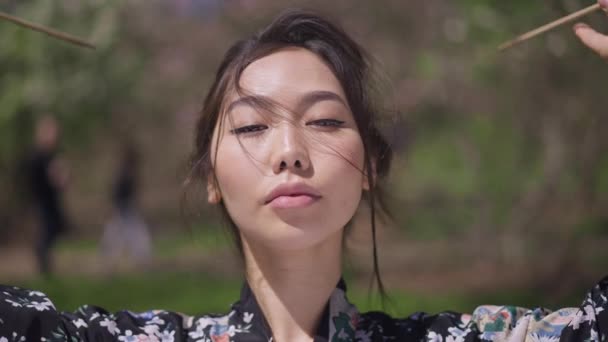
(293, 287)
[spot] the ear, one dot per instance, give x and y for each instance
(366, 179)
(213, 193)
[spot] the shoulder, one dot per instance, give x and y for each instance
(27, 315)
(23, 311)
(486, 323)
(418, 326)
(588, 322)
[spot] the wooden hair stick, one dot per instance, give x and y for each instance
(549, 26)
(54, 33)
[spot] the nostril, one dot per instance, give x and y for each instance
(298, 164)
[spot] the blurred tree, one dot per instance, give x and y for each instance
(39, 75)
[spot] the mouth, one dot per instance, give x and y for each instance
(292, 195)
(293, 201)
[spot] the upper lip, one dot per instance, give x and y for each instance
(291, 189)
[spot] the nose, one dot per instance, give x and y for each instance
(291, 150)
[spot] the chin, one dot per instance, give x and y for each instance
(287, 236)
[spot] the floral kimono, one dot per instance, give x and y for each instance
(30, 316)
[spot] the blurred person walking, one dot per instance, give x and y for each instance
(126, 232)
(48, 177)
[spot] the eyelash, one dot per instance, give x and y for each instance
(248, 129)
(325, 123)
(330, 122)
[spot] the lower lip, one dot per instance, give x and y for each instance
(283, 202)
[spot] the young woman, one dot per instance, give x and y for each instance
(288, 148)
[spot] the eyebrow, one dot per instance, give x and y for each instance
(305, 101)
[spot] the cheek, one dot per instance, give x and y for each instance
(341, 166)
(345, 154)
(235, 172)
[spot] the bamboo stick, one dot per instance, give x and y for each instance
(550, 26)
(51, 32)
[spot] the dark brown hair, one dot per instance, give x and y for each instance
(350, 65)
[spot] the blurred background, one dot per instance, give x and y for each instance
(499, 187)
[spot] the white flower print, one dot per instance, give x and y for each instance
(535, 337)
(22, 338)
(207, 321)
(231, 330)
(3, 339)
(80, 323)
(589, 314)
(457, 334)
(167, 336)
(593, 336)
(36, 293)
(576, 321)
(198, 333)
(151, 329)
(156, 320)
(128, 337)
(110, 325)
(94, 316)
(40, 306)
(435, 337)
(13, 303)
(247, 317)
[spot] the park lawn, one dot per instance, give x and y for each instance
(198, 292)
(206, 239)
(192, 293)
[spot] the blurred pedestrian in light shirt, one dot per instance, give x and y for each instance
(126, 234)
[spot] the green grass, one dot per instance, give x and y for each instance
(197, 293)
(194, 293)
(183, 292)
(203, 239)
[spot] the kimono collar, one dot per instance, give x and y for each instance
(338, 321)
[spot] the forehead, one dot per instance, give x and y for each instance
(288, 74)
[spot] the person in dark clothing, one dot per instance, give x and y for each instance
(123, 195)
(47, 177)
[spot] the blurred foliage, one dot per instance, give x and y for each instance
(44, 75)
(506, 144)
(504, 153)
(40, 75)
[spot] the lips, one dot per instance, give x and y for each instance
(292, 195)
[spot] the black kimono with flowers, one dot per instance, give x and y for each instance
(31, 316)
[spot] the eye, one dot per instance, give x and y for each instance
(326, 123)
(248, 129)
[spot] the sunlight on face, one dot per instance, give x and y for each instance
(308, 139)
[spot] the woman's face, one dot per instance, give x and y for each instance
(292, 178)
